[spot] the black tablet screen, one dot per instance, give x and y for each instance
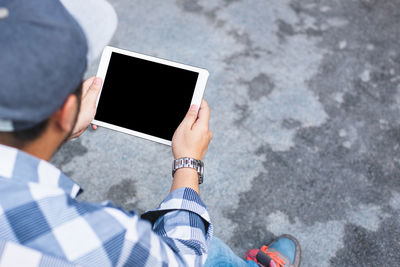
(145, 96)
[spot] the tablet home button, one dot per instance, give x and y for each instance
(3, 12)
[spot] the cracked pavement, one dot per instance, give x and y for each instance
(304, 99)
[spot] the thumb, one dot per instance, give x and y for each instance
(191, 115)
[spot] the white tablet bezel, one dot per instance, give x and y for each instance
(102, 71)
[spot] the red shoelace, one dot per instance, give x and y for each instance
(274, 256)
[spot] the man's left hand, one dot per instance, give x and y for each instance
(90, 92)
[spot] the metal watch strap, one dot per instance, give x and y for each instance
(186, 162)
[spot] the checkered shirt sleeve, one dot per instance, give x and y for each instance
(40, 212)
(13, 254)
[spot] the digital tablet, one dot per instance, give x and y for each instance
(146, 96)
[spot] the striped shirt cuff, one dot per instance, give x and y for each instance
(180, 199)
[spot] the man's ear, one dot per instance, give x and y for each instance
(65, 116)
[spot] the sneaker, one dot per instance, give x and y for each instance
(284, 251)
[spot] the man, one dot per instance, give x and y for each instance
(44, 48)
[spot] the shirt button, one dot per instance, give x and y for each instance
(3, 12)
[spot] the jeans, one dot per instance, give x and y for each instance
(220, 255)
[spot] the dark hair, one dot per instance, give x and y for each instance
(27, 135)
(22, 137)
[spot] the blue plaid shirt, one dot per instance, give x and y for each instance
(38, 210)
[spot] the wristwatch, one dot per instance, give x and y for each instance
(196, 164)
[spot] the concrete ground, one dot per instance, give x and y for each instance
(305, 114)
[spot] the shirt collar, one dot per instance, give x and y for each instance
(22, 167)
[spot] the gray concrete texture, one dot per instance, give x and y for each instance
(305, 114)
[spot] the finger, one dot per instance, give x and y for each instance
(191, 115)
(86, 85)
(78, 134)
(94, 126)
(94, 91)
(204, 115)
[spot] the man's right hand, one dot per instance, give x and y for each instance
(193, 135)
